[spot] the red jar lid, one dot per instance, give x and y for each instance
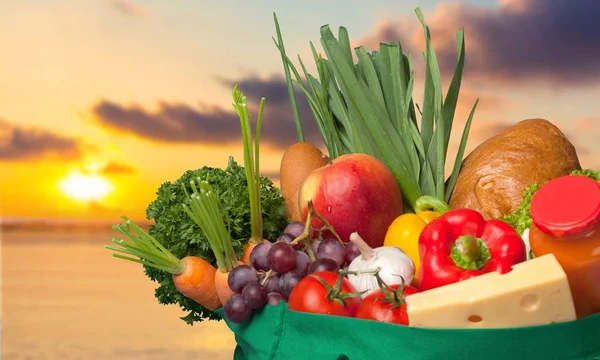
(568, 205)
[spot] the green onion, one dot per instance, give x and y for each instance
(146, 249)
(367, 107)
(205, 210)
(251, 160)
(290, 86)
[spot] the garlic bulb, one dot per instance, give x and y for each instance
(525, 238)
(394, 266)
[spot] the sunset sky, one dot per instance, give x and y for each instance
(131, 93)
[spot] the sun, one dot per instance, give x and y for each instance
(86, 187)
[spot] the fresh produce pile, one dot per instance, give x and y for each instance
(374, 229)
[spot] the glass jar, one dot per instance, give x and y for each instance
(565, 214)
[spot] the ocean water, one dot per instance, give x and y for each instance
(65, 297)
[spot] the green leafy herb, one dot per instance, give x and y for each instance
(181, 236)
(520, 220)
(589, 173)
(367, 107)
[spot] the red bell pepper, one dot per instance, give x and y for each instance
(461, 244)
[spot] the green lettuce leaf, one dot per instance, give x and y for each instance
(520, 220)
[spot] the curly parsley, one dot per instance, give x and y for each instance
(176, 231)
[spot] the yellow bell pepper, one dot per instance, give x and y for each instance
(404, 233)
(405, 230)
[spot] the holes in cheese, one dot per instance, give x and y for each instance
(535, 292)
(530, 302)
(475, 318)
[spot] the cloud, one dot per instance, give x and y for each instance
(489, 103)
(117, 168)
(519, 40)
(211, 124)
(26, 143)
(127, 7)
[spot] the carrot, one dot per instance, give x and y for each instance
(223, 290)
(205, 210)
(251, 165)
(198, 282)
(248, 250)
(193, 277)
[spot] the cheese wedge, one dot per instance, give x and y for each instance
(535, 292)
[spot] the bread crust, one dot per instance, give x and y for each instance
(494, 175)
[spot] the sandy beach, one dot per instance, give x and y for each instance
(64, 297)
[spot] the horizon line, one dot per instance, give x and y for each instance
(10, 223)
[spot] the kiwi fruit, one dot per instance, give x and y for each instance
(297, 162)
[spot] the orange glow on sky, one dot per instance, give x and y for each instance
(61, 66)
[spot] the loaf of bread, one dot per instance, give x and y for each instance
(494, 175)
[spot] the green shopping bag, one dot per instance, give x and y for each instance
(277, 333)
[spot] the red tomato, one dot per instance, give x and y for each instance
(376, 307)
(310, 295)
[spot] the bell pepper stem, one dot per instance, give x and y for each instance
(470, 253)
(468, 248)
(428, 202)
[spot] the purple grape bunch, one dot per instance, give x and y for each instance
(276, 268)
